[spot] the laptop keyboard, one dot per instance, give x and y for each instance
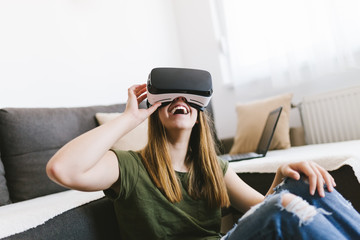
(232, 157)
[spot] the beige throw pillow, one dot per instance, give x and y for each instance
(251, 118)
(135, 140)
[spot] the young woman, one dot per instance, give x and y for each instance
(176, 186)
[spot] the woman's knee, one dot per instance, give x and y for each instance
(299, 207)
(286, 198)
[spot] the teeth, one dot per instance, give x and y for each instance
(182, 108)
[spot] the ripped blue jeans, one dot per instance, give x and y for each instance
(305, 217)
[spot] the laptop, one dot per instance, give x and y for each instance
(264, 142)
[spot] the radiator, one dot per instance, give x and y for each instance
(332, 116)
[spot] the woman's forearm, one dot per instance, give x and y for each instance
(277, 180)
(83, 153)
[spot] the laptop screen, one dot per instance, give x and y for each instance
(268, 131)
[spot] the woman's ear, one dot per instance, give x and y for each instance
(198, 118)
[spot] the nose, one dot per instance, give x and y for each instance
(180, 98)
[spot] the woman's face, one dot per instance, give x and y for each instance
(178, 115)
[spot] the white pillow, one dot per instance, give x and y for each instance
(135, 140)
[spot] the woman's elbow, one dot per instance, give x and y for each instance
(57, 172)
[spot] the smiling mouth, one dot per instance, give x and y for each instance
(179, 110)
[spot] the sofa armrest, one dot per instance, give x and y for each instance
(95, 220)
(75, 214)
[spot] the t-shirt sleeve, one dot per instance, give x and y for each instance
(128, 174)
(224, 165)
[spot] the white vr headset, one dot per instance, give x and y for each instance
(166, 84)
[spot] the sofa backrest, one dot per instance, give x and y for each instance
(4, 193)
(29, 137)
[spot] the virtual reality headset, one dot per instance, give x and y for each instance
(166, 84)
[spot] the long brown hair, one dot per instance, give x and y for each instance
(206, 179)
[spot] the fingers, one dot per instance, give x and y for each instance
(138, 93)
(329, 180)
(317, 176)
(154, 107)
(141, 98)
(140, 90)
(316, 181)
(288, 172)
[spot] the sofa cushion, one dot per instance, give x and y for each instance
(29, 137)
(251, 118)
(4, 193)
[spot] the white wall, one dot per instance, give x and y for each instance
(77, 53)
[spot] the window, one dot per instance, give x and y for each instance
(289, 41)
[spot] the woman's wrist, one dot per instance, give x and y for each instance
(279, 177)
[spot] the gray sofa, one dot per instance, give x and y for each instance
(30, 136)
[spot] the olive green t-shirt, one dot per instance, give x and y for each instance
(143, 212)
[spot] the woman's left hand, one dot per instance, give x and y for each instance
(316, 174)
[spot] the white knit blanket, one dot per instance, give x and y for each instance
(331, 156)
(21, 216)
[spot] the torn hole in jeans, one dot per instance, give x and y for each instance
(297, 206)
(303, 210)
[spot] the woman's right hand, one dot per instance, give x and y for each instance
(137, 94)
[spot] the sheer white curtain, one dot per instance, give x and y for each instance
(290, 41)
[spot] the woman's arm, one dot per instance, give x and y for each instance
(241, 195)
(85, 163)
